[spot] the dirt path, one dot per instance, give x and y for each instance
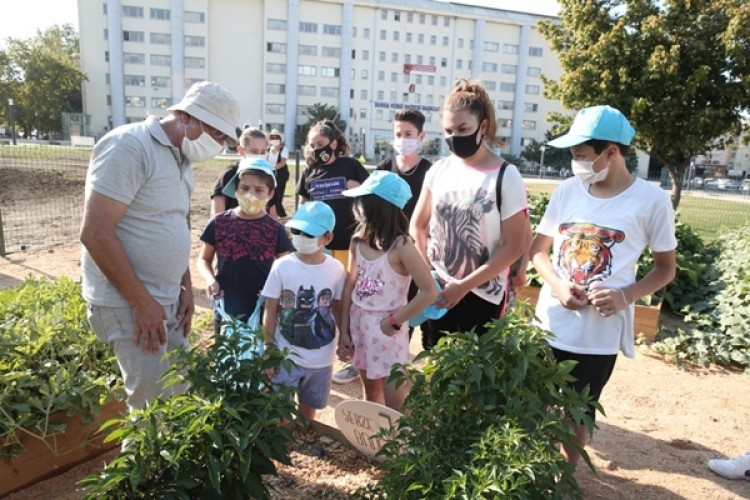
(662, 424)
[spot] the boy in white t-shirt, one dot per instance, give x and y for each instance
(598, 224)
(303, 304)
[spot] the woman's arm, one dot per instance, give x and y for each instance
(420, 223)
(205, 265)
(346, 347)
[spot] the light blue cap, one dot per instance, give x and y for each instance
(604, 123)
(387, 185)
(314, 218)
(245, 165)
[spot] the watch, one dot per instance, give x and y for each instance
(392, 322)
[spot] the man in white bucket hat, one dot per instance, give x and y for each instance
(135, 234)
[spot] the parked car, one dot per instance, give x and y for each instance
(696, 182)
(732, 185)
(711, 185)
(745, 188)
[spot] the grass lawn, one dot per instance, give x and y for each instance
(709, 214)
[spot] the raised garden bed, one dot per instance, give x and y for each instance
(58, 453)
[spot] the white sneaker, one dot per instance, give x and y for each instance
(732, 468)
(345, 375)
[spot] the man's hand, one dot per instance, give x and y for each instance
(149, 323)
(185, 311)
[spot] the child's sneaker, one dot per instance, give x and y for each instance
(732, 468)
(346, 374)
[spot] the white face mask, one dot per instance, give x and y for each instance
(275, 142)
(249, 203)
(584, 170)
(203, 148)
(405, 146)
(305, 245)
(254, 157)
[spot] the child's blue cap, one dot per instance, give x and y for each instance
(429, 312)
(248, 164)
(604, 123)
(314, 218)
(387, 185)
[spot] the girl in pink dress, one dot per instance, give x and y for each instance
(382, 261)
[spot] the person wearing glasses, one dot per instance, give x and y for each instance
(135, 233)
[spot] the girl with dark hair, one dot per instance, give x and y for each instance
(375, 307)
(330, 171)
(472, 242)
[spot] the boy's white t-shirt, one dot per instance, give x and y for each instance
(597, 243)
(305, 322)
(465, 225)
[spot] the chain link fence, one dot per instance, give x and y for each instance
(42, 191)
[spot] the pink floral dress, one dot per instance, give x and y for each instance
(378, 291)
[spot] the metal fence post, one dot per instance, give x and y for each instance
(2, 236)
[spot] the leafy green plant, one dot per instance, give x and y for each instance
(215, 441)
(483, 419)
(50, 363)
(537, 206)
(719, 331)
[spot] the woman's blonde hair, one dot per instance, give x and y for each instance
(470, 95)
(251, 133)
(328, 129)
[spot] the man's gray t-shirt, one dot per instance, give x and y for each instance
(137, 165)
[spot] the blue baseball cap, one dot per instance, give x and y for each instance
(387, 185)
(314, 218)
(245, 165)
(604, 123)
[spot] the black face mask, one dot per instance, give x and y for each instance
(464, 146)
(323, 155)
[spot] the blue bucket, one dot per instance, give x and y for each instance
(429, 312)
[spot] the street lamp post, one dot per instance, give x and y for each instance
(364, 144)
(12, 119)
(541, 161)
(36, 125)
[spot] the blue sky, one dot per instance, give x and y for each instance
(21, 19)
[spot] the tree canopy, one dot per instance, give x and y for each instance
(318, 112)
(43, 76)
(679, 69)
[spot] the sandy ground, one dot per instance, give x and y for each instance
(662, 424)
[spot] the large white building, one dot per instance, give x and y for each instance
(368, 58)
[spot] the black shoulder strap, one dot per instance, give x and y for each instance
(499, 186)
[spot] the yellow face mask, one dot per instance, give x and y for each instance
(250, 204)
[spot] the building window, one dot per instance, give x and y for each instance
(159, 14)
(160, 81)
(133, 36)
(396, 36)
(275, 88)
(135, 80)
(276, 68)
(417, 98)
(381, 95)
(161, 102)
(329, 72)
(365, 55)
(381, 56)
(446, 21)
(532, 89)
(384, 14)
(507, 87)
(443, 81)
(278, 48)
(195, 41)
(394, 57)
(365, 74)
(130, 11)
(381, 76)
(329, 91)
(379, 114)
(491, 46)
(307, 50)
(421, 18)
(393, 96)
(418, 80)
(528, 125)
(331, 52)
(459, 63)
(430, 80)
(308, 27)
(432, 60)
(354, 53)
(396, 15)
(332, 29)
(444, 62)
(195, 62)
(420, 60)
(460, 43)
(133, 58)
(135, 101)
(394, 76)
(434, 20)
(354, 32)
(433, 40)
(530, 107)
(383, 34)
(536, 51)
(508, 69)
(160, 38)
(534, 71)
(408, 37)
(407, 58)
(363, 95)
(303, 110)
(366, 33)
(490, 85)
(276, 24)
(505, 123)
(305, 70)
(195, 17)
(505, 105)
(489, 67)
(420, 38)
(445, 40)
(509, 48)
(275, 109)
(409, 17)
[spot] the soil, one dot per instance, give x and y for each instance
(662, 422)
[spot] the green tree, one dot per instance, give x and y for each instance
(679, 69)
(318, 112)
(43, 76)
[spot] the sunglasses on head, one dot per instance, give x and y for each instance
(297, 232)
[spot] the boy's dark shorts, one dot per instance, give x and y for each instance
(592, 370)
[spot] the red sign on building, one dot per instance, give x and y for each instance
(419, 68)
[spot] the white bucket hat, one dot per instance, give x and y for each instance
(212, 104)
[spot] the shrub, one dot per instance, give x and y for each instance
(483, 419)
(719, 332)
(216, 441)
(50, 362)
